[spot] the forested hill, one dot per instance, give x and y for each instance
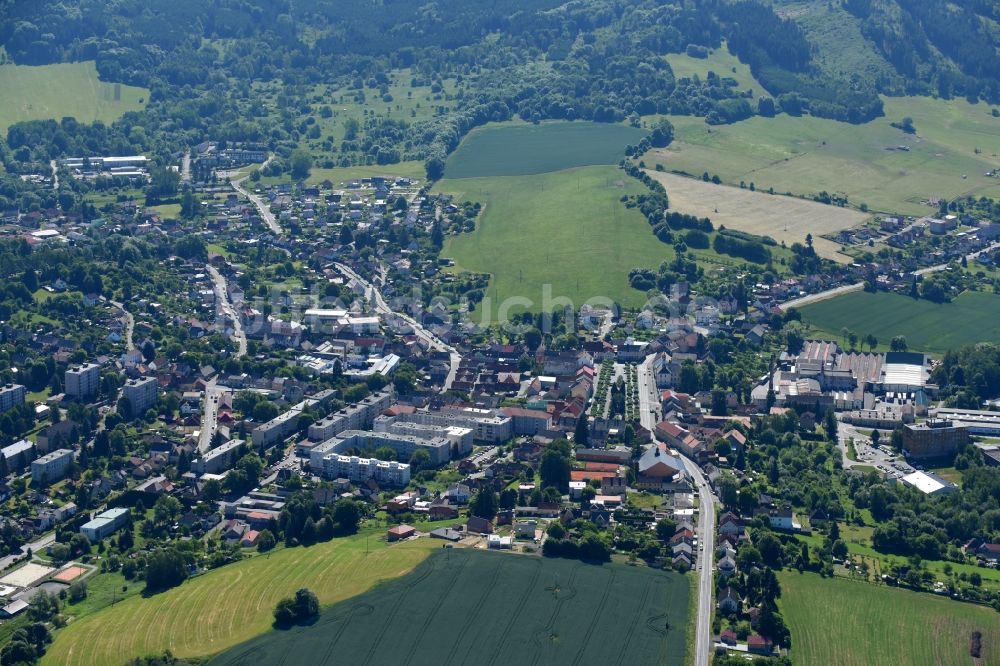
(591, 59)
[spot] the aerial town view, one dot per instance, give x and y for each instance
(478, 332)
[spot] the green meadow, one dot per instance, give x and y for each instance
(838, 622)
(63, 90)
(518, 149)
(464, 606)
(567, 229)
(955, 144)
(930, 327)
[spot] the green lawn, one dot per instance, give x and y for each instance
(972, 317)
(838, 622)
(516, 149)
(565, 229)
(807, 155)
(58, 91)
(226, 606)
(464, 607)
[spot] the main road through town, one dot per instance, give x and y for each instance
(649, 406)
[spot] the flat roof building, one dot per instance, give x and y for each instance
(929, 484)
(105, 524)
(936, 438)
(141, 394)
(359, 470)
(439, 449)
(11, 396)
(83, 381)
(51, 467)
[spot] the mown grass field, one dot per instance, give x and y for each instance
(972, 317)
(518, 149)
(782, 218)
(62, 90)
(838, 622)
(720, 61)
(230, 605)
(808, 155)
(465, 606)
(566, 229)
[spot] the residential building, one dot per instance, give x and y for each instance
(83, 381)
(359, 470)
(358, 416)
(218, 459)
(461, 438)
(141, 394)
(528, 421)
(11, 396)
(52, 466)
(18, 455)
(438, 448)
(486, 425)
(105, 524)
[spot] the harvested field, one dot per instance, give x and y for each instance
(780, 217)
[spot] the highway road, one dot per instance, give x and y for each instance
(649, 406)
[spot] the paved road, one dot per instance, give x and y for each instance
(968, 257)
(129, 325)
(210, 414)
(858, 286)
(186, 167)
(375, 297)
(649, 413)
(822, 296)
(55, 174)
(262, 207)
(226, 306)
(36, 546)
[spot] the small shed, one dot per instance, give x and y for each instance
(400, 532)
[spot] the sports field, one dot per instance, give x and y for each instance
(518, 149)
(66, 89)
(464, 607)
(224, 607)
(782, 218)
(808, 155)
(566, 229)
(838, 622)
(972, 317)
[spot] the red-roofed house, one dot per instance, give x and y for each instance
(400, 532)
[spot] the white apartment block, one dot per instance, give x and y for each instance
(11, 396)
(439, 449)
(359, 470)
(353, 417)
(141, 394)
(486, 425)
(83, 381)
(461, 438)
(52, 466)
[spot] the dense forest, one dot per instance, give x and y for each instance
(539, 59)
